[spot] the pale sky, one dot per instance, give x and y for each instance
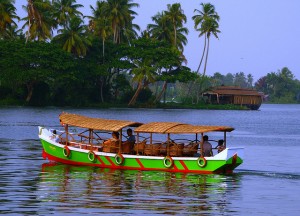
(257, 36)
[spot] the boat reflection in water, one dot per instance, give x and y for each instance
(96, 190)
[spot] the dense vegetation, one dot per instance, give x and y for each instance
(57, 59)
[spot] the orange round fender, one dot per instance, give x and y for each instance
(119, 159)
(201, 161)
(168, 162)
(91, 156)
(66, 151)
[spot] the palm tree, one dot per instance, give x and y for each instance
(210, 27)
(13, 33)
(207, 14)
(120, 14)
(144, 74)
(176, 16)
(64, 10)
(160, 30)
(7, 16)
(168, 26)
(164, 29)
(74, 37)
(99, 24)
(39, 20)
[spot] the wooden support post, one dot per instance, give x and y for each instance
(168, 145)
(67, 134)
(202, 142)
(225, 139)
(137, 143)
(120, 141)
(91, 138)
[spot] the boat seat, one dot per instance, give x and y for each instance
(127, 147)
(152, 149)
(190, 149)
(139, 148)
(176, 149)
(111, 146)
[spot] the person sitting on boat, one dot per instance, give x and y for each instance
(128, 145)
(55, 137)
(220, 146)
(115, 137)
(130, 137)
(207, 147)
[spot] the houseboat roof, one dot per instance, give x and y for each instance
(178, 128)
(233, 90)
(95, 123)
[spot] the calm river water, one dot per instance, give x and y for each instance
(268, 183)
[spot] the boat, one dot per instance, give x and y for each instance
(246, 97)
(159, 146)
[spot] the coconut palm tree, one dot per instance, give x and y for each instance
(166, 29)
(120, 14)
(210, 27)
(74, 38)
(168, 26)
(99, 24)
(7, 16)
(39, 20)
(64, 10)
(176, 16)
(206, 14)
(143, 74)
(12, 32)
(160, 29)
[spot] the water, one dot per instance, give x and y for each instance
(268, 183)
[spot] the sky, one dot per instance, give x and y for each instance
(257, 36)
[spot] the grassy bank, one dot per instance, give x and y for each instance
(10, 102)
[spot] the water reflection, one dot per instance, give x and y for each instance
(101, 190)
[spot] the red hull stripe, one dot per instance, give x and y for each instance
(100, 160)
(175, 167)
(53, 158)
(184, 166)
(110, 161)
(140, 163)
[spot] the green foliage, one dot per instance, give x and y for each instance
(32, 63)
(110, 63)
(280, 87)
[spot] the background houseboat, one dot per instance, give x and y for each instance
(250, 98)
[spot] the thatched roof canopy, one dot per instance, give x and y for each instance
(192, 129)
(95, 123)
(156, 127)
(233, 90)
(179, 128)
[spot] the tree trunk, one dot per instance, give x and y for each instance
(202, 54)
(175, 38)
(206, 57)
(29, 91)
(101, 90)
(158, 98)
(136, 94)
(103, 50)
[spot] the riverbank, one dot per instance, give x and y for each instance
(149, 106)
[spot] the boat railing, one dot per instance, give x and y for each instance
(177, 147)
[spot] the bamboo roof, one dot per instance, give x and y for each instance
(179, 128)
(233, 90)
(156, 127)
(95, 123)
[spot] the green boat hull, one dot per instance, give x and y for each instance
(75, 156)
